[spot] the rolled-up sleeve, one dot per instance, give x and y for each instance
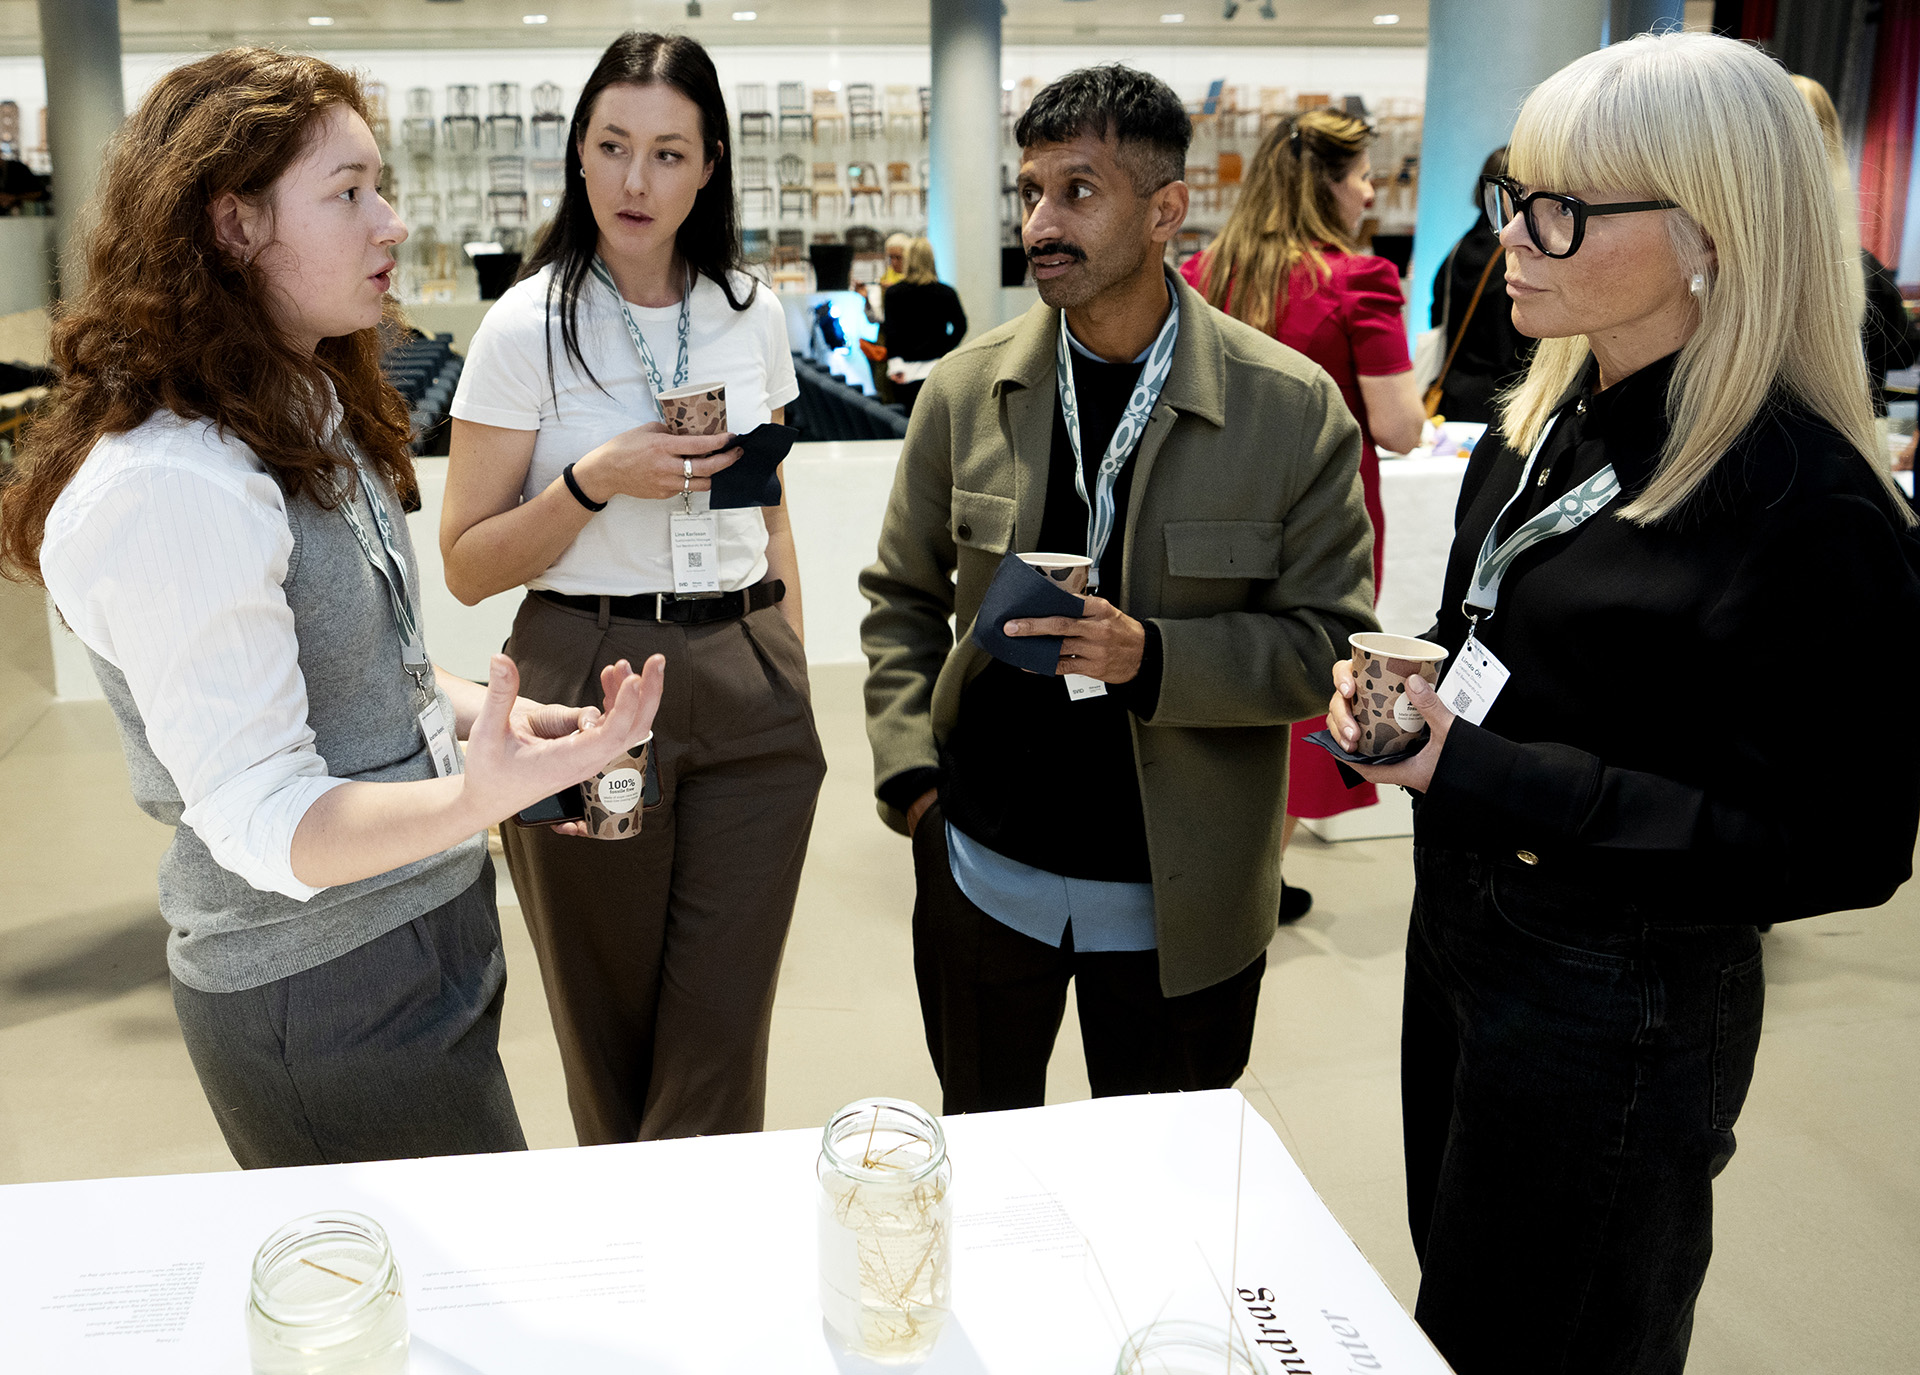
(175, 578)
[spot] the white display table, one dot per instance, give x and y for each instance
(1074, 1224)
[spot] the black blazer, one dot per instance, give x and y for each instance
(1494, 354)
(1708, 720)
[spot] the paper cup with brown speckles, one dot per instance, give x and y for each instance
(1382, 664)
(1068, 571)
(613, 795)
(697, 409)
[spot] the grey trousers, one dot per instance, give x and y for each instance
(387, 1052)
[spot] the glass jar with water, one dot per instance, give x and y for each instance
(327, 1300)
(886, 1229)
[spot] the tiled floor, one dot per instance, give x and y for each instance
(1819, 1215)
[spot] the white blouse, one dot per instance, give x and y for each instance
(167, 554)
(626, 549)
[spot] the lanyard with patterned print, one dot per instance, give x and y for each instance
(601, 271)
(1133, 423)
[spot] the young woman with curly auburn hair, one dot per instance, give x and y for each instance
(215, 499)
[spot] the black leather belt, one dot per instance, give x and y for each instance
(665, 606)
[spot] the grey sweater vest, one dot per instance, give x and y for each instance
(364, 710)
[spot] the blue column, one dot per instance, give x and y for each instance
(963, 155)
(1644, 16)
(80, 48)
(1483, 56)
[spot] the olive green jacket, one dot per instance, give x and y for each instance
(1247, 543)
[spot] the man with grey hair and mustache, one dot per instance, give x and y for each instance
(1121, 829)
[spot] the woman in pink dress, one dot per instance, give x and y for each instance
(1288, 262)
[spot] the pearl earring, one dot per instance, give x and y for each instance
(1699, 286)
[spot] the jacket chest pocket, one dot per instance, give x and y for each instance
(1223, 549)
(981, 521)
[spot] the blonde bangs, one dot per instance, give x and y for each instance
(1717, 127)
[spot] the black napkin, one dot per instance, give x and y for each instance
(1324, 739)
(1020, 591)
(751, 480)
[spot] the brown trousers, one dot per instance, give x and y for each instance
(659, 953)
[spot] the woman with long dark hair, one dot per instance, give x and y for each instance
(1289, 262)
(216, 500)
(659, 951)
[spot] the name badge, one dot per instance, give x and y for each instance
(1474, 681)
(437, 730)
(1080, 687)
(696, 552)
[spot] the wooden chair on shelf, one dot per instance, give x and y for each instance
(1273, 108)
(756, 245)
(793, 110)
(754, 184)
(1203, 184)
(926, 114)
(1235, 112)
(900, 182)
(863, 179)
(789, 246)
(903, 112)
(1230, 174)
(794, 194)
(827, 114)
(756, 120)
(1207, 110)
(864, 117)
(1311, 100)
(826, 187)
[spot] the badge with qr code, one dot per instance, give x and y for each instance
(696, 552)
(1473, 682)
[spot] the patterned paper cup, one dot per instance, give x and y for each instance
(1381, 666)
(1068, 570)
(698, 409)
(613, 794)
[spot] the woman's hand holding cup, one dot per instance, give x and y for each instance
(651, 463)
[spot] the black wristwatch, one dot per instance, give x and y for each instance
(573, 486)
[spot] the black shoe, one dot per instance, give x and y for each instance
(1295, 903)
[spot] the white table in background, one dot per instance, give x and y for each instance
(1073, 1225)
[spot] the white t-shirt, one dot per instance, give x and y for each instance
(626, 548)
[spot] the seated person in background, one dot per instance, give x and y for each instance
(924, 323)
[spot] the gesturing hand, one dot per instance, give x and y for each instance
(519, 752)
(1104, 643)
(648, 462)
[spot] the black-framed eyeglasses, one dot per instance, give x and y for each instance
(1555, 223)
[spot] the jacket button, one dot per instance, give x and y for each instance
(963, 530)
(1526, 856)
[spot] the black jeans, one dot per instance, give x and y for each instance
(992, 1000)
(1570, 1076)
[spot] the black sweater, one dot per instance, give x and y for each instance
(924, 320)
(1707, 719)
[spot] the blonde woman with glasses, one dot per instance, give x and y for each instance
(1681, 565)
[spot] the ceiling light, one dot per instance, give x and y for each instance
(746, 16)
(320, 21)
(1006, 85)
(833, 86)
(1386, 19)
(533, 19)
(1173, 19)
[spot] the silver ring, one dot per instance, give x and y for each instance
(686, 469)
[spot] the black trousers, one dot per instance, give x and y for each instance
(1570, 1076)
(388, 1052)
(992, 1000)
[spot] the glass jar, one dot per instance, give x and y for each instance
(327, 1300)
(1187, 1348)
(886, 1229)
